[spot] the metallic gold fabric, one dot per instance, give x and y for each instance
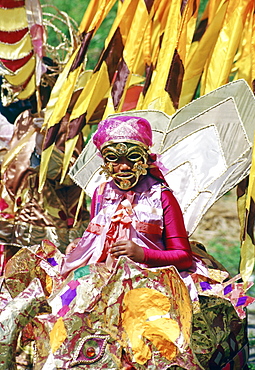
(130, 316)
(27, 216)
(146, 316)
(15, 315)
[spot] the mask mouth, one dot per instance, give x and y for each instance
(124, 180)
(123, 175)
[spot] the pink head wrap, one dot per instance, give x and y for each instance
(123, 128)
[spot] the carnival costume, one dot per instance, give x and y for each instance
(118, 314)
(135, 214)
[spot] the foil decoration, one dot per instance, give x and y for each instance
(131, 317)
(16, 315)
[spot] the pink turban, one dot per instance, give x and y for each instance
(123, 128)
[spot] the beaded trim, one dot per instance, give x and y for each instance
(75, 360)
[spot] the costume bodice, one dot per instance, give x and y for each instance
(140, 210)
(137, 214)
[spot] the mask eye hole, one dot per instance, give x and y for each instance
(90, 350)
(134, 157)
(111, 157)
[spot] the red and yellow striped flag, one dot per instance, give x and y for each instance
(21, 43)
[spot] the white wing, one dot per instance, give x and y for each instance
(206, 157)
(206, 147)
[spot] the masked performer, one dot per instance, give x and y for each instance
(122, 302)
(135, 214)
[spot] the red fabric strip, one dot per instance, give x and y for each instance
(175, 78)
(119, 83)
(149, 4)
(14, 65)
(83, 50)
(95, 228)
(12, 37)
(51, 136)
(10, 4)
(75, 126)
(112, 54)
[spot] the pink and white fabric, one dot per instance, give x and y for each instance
(6, 132)
(123, 128)
(107, 226)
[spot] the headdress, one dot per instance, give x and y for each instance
(123, 129)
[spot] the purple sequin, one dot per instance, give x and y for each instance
(68, 296)
(228, 289)
(205, 286)
(52, 261)
(241, 301)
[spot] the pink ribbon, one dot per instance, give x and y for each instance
(120, 224)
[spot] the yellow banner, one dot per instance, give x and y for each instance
(198, 55)
(95, 14)
(13, 19)
(221, 61)
(18, 50)
(157, 97)
(243, 65)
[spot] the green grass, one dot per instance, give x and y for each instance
(228, 254)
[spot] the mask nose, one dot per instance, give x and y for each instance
(124, 164)
(124, 167)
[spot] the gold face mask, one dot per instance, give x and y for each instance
(134, 153)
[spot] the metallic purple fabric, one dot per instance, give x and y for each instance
(123, 128)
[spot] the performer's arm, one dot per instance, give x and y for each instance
(178, 251)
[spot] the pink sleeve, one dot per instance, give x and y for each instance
(178, 251)
(93, 205)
